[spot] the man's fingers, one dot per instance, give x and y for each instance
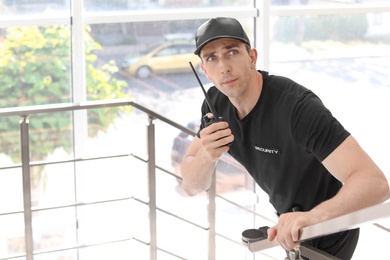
(271, 233)
(295, 234)
(287, 241)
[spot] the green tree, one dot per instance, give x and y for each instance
(35, 69)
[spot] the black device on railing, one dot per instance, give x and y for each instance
(206, 121)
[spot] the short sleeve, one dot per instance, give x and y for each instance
(314, 128)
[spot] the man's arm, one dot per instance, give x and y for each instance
(201, 158)
(364, 185)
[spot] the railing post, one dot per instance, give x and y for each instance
(25, 152)
(211, 193)
(152, 188)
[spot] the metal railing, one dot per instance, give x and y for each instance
(25, 112)
(28, 210)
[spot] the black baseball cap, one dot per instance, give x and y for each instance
(220, 27)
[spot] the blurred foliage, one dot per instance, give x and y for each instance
(35, 69)
(324, 27)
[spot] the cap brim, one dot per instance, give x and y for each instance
(197, 51)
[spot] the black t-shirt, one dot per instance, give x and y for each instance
(283, 141)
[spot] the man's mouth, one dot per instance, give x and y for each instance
(229, 81)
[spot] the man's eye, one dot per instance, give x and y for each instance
(211, 58)
(233, 52)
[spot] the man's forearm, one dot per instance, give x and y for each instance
(355, 194)
(197, 173)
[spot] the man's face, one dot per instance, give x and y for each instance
(227, 63)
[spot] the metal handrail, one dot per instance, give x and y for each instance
(39, 109)
(26, 111)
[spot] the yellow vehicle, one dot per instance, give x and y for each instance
(167, 57)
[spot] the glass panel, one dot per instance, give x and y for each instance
(11, 235)
(171, 198)
(23, 7)
(50, 139)
(121, 5)
(105, 222)
(51, 136)
(111, 175)
(171, 144)
(178, 142)
(53, 185)
(139, 249)
(9, 138)
(140, 229)
(11, 190)
(62, 255)
(54, 228)
(122, 250)
(113, 129)
(139, 179)
(166, 255)
(35, 66)
(181, 238)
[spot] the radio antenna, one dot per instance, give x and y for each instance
(208, 100)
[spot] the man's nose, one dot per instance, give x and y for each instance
(225, 67)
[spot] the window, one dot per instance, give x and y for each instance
(88, 168)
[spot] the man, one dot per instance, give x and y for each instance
(310, 166)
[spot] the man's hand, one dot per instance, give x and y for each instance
(215, 139)
(287, 231)
(199, 163)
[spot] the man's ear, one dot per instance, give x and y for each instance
(253, 57)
